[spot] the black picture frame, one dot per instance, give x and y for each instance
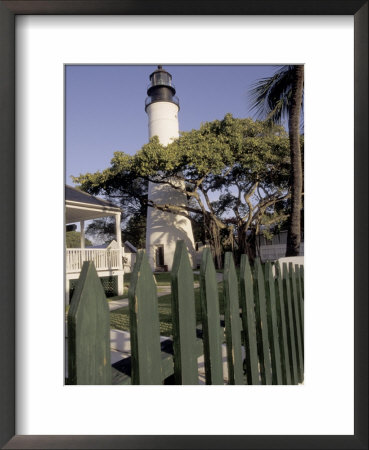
(8, 11)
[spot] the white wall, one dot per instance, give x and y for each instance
(163, 121)
(131, 259)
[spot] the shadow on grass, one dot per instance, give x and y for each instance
(119, 318)
(161, 278)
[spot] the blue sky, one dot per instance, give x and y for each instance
(105, 106)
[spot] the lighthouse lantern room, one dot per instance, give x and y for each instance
(161, 88)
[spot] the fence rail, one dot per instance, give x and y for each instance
(263, 320)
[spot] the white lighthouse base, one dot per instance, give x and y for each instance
(164, 229)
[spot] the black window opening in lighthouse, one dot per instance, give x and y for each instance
(161, 88)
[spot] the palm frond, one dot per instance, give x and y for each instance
(271, 97)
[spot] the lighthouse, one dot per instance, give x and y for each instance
(164, 229)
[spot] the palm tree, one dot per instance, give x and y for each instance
(275, 98)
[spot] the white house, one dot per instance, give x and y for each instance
(80, 207)
(276, 247)
(130, 253)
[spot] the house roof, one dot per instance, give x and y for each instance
(130, 246)
(76, 195)
(82, 206)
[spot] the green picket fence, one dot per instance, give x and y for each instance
(262, 328)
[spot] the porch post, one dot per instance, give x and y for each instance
(118, 234)
(67, 290)
(82, 225)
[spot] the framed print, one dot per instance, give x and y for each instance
(330, 411)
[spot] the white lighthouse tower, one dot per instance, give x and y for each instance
(164, 229)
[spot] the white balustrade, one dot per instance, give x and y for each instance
(104, 259)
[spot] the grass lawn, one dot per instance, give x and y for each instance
(119, 319)
(162, 278)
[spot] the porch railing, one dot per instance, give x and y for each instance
(104, 259)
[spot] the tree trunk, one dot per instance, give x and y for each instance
(214, 239)
(251, 246)
(246, 244)
(241, 241)
(294, 230)
(216, 245)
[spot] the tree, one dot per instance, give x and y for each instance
(73, 240)
(275, 98)
(135, 230)
(230, 168)
(256, 184)
(120, 185)
(102, 230)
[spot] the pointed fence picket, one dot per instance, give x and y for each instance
(249, 322)
(144, 324)
(274, 340)
(297, 324)
(263, 326)
(212, 335)
(302, 280)
(89, 331)
(300, 301)
(262, 334)
(282, 326)
(183, 319)
(232, 321)
(291, 335)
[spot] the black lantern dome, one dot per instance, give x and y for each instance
(161, 88)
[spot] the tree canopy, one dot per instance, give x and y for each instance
(233, 171)
(73, 239)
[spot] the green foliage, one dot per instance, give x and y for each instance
(135, 230)
(102, 229)
(245, 164)
(73, 240)
(272, 96)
